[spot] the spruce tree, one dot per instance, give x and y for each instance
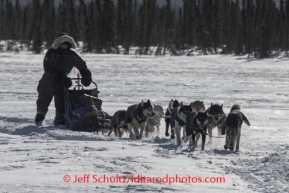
(108, 41)
(286, 42)
(129, 25)
(87, 32)
(1, 20)
(48, 21)
(36, 30)
(71, 16)
(215, 25)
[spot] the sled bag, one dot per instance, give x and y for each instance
(86, 112)
(88, 100)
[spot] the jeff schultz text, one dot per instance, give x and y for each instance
(87, 178)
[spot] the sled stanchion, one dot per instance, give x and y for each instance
(78, 80)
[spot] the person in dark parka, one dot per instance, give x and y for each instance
(58, 62)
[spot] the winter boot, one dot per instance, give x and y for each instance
(39, 118)
(59, 119)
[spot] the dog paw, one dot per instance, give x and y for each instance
(138, 137)
(172, 136)
(225, 147)
(167, 134)
(231, 148)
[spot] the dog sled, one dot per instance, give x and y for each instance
(83, 111)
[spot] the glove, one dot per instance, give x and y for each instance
(67, 82)
(59, 76)
(85, 82)
(86, 77)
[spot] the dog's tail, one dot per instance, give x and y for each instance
(236, 107)
(245, 120)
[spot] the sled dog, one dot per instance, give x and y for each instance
(172, 104)
(155, 120)
(198, 106)
(233, 126)
(197, 124)
(117, 122)
(216, 118)
(178, 121)
(136, 117)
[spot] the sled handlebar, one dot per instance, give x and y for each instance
(82, 85)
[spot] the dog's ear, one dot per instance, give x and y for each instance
(202, 102)
(142, 104)
(222, 106)
(191, 105)
(211, 104)
(149, 102)
(181, 104)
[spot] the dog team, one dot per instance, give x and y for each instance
(194, 120)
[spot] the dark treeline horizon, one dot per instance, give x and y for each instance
(254, 27)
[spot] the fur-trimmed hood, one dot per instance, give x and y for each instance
(61, 39)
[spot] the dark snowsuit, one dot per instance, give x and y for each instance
(57, 64)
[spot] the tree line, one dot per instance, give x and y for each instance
(253, 27)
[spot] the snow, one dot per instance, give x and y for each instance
(36, 159)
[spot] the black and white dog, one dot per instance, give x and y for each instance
(117, 122)
(233, 127)
(197, 124)
(178, 121)
(136, 117)
(216, 118)
(172, 104)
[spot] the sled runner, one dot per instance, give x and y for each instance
(83, 109)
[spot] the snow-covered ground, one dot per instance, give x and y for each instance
(38, 159)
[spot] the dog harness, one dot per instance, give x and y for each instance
(132, 113)
(191, 125)
(114, 119)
